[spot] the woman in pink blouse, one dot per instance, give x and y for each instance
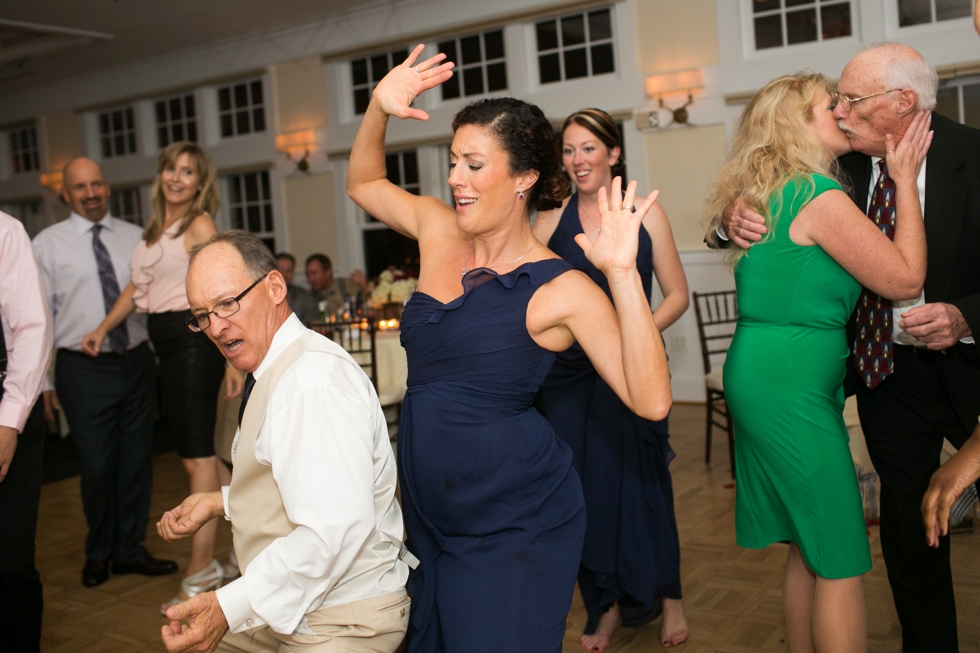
(184, 198)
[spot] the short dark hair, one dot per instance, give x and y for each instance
(322, 259)
(286, 255)
(605, 129)
(255, 254)
(530, 141)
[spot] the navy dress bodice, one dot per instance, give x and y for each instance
(631, 548)
(493, 508)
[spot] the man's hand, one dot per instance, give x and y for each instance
(938, 325)
(8, 445)
(206, 625)
(193, 512)
(947, 484)
(234, 382)
(359, 278)
(50, 404)
(743, 225)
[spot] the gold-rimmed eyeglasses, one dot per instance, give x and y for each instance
(223, 309)
(848, 102)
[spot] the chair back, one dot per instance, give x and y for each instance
(356, 335)
(717, 313)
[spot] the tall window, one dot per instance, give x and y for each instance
(124, 203)
(176, 119)
(250, 205)
(30, 213)
(241, 108)
(384, 246)
(23, 149)
(117, 132)
(921, 12)
(960, 101)
(480, 64)
(366, 72)
(779, 23)
(578, 45)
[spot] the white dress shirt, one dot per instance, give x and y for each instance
(325, 437)
(71, 277)
(26, 325)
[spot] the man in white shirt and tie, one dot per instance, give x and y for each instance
(108, 400)
(312, 500)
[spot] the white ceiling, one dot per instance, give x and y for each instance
(140, 29)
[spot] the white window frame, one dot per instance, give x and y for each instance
(748, 33)
(33, 222)
(588, 44)
(136, 193)
(244, 204)
(170, 122)
(251, 107)
(394, 58)
(127, 132)
(480, 65)
(958, 83)
(15, 154)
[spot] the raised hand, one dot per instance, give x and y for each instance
(405, 82)
(619, 229)
(187, 518)
(905, 159)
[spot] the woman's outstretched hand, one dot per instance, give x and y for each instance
(619, 228)
(405, 82)
(905, 159)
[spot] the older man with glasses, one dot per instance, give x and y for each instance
(928, 388)
(312, 501)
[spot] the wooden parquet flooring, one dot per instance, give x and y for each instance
(732, 595)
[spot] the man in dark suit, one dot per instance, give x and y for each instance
(934, 390)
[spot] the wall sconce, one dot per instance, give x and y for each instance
(52, 181)
(671, 83)
(297, 143)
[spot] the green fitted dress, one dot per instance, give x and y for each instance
(795, 480)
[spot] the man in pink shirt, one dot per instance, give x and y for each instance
(25, 350)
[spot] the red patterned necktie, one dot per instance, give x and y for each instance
(873, 348)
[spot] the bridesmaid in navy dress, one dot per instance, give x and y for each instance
(493, 508)
(631, 553)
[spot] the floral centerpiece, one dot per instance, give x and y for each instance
(392, 290)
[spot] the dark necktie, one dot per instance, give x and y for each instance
(118, 337)
(249, 383)
(873, 348)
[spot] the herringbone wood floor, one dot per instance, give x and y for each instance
(732, 595)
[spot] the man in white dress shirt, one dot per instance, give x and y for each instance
(312, 500)
(108, 400)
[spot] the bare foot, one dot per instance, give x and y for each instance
(608, 624)
(674, 629)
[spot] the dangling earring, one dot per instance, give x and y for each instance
(520, 194)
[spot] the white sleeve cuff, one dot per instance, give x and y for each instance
(238, 611)
(721, 233)
(224, 498)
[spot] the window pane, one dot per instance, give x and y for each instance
(103, 124)
(801, 26)
(251, 187)
(175, 109)
(189, 110)
(914, 12)
(384, 247)
(549, 67)
(764, 5)
(237, 218)
(971, 105)
(497, 77)
(493, 43)
(393, 169)
(600, 27)
(226, 126)
(241, 96)
(948, 102)
(358, 72)
(470, 49)
(398, 56)
(132, 143)
(575, 64)
(797, 3)
(258, 119)
(119, 145)
(572, 30)
(473, 81)
(117, 121)
(267, 215)
(163, 138)
(768, 32)
(836, 20)
(241, 122)
(178, 131)
(257, 92)
(449, 49)
(362, 97)
(192, 131)
(379, 67)
(602, 59)
(410, 163)
(547, 32)
(161, 111)
(264, 178)
(224, 99)
(450, 88)
(235, 189)
(106, 148)
(129, 119)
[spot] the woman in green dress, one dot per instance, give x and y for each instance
(783, 377)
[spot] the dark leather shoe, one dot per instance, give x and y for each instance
(94, 573)
(148, 566)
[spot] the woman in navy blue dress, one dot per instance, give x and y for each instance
(631, 554)
(493, 508)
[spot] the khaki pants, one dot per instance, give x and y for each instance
(375, 625)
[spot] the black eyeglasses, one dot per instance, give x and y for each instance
(223, 309)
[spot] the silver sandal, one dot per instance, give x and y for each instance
(208, 579)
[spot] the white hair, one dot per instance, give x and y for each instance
(906, 68)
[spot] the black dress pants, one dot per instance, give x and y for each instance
(928, 398)
(20, 585)
(108, 402)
